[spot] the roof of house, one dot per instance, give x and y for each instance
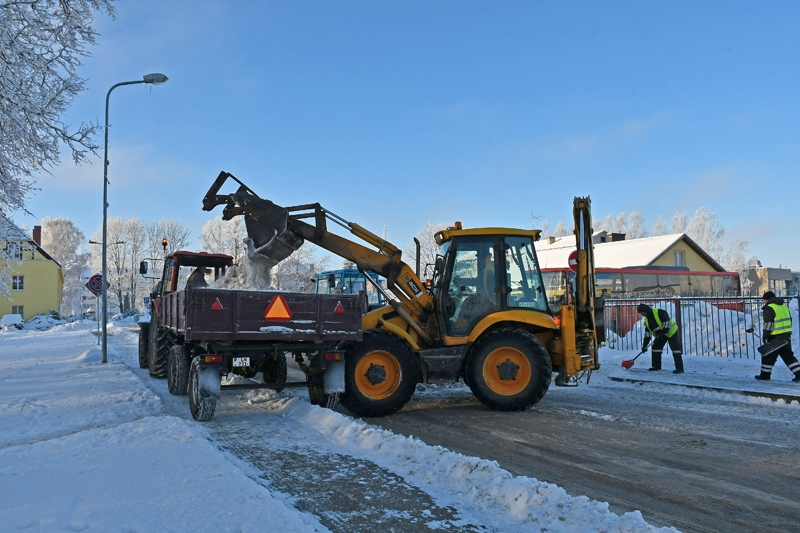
(11, 232)
(620, 254)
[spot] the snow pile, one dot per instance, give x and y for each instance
(721, 332)
(42, 323)
(461, 481)
(247, 276)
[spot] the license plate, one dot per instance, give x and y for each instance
(241, 361)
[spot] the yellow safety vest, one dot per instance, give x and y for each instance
(673, 326)
(783, 320)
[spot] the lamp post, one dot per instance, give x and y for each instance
(155, 79)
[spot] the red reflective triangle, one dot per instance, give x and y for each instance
(216, 306)
(278, 309)
(339, 309)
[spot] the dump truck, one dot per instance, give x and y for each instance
(482, 317)
(199, 335)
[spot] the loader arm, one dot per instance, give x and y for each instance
(582, 321)
(275, 232)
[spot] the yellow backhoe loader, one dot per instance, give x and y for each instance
(482, 317)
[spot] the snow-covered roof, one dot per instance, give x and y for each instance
(619, 254)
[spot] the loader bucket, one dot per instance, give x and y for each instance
(269, 240)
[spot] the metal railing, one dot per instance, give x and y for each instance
(709, 325)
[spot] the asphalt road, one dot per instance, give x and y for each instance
(697, 461)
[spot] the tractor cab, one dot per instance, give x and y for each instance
(484, 271)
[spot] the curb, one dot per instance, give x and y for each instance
(770, 395)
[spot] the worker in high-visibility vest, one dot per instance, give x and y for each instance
(777, 325)
(658, 324)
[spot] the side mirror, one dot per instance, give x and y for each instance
(143, 268)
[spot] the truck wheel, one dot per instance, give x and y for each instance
(144, 341)
(508, 370)
(178, 370)
(380, 374)
(201, 403)
(158, 354)
(275, 370)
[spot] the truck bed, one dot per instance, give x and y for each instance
(204, 314)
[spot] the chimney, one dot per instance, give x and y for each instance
(37, 235)
(551, 240)
(615, 237)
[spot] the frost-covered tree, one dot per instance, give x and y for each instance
(736, 260)
(42, 43)
(298, 272)
(660, 227)
(636, 226)
(706, 231)
(127, 247)
(545, 229)
(678, 223)
(428, 249)
(224, 237)
(619, 224)
(561, 229)
(66, 243)
(176, 233)
(606, 224)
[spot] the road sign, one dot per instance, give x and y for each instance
(95, 284)
(573, 260)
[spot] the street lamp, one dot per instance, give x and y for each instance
(155, 79)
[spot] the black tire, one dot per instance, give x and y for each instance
(158, 353)
(275, 370)
(144, 343)
(508, 370)
(316, 393)
(178, 370)
(201, 405)
(380, 374)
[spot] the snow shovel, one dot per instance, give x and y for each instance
(628, 363)
(772, 346)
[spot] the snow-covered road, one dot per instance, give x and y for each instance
(87, 446)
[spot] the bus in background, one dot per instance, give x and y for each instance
(351, 281)
(646, 284)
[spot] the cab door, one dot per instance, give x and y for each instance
(470, 289)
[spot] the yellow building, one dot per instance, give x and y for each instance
(35, 278)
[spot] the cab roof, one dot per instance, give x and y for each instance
(201, 259)
(448, 234)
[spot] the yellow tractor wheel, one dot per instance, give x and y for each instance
(381, 374)
(508, 369)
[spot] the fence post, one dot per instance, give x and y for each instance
(679, 320)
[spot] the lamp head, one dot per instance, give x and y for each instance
(155, 78)
(164, 243)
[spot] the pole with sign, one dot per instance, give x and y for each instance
(95, 285)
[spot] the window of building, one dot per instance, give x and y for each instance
(17, 283)
(679, 258)
(14, 250)
(18, 310)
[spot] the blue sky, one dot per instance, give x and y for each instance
(398, 114)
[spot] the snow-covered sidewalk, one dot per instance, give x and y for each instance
(86, 446)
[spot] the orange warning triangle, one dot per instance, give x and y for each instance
(278, 309)
(216, 306)
(339, 309)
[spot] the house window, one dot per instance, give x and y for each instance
(14, 250)
(17, 283)
(679, 259)
(18, 310)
